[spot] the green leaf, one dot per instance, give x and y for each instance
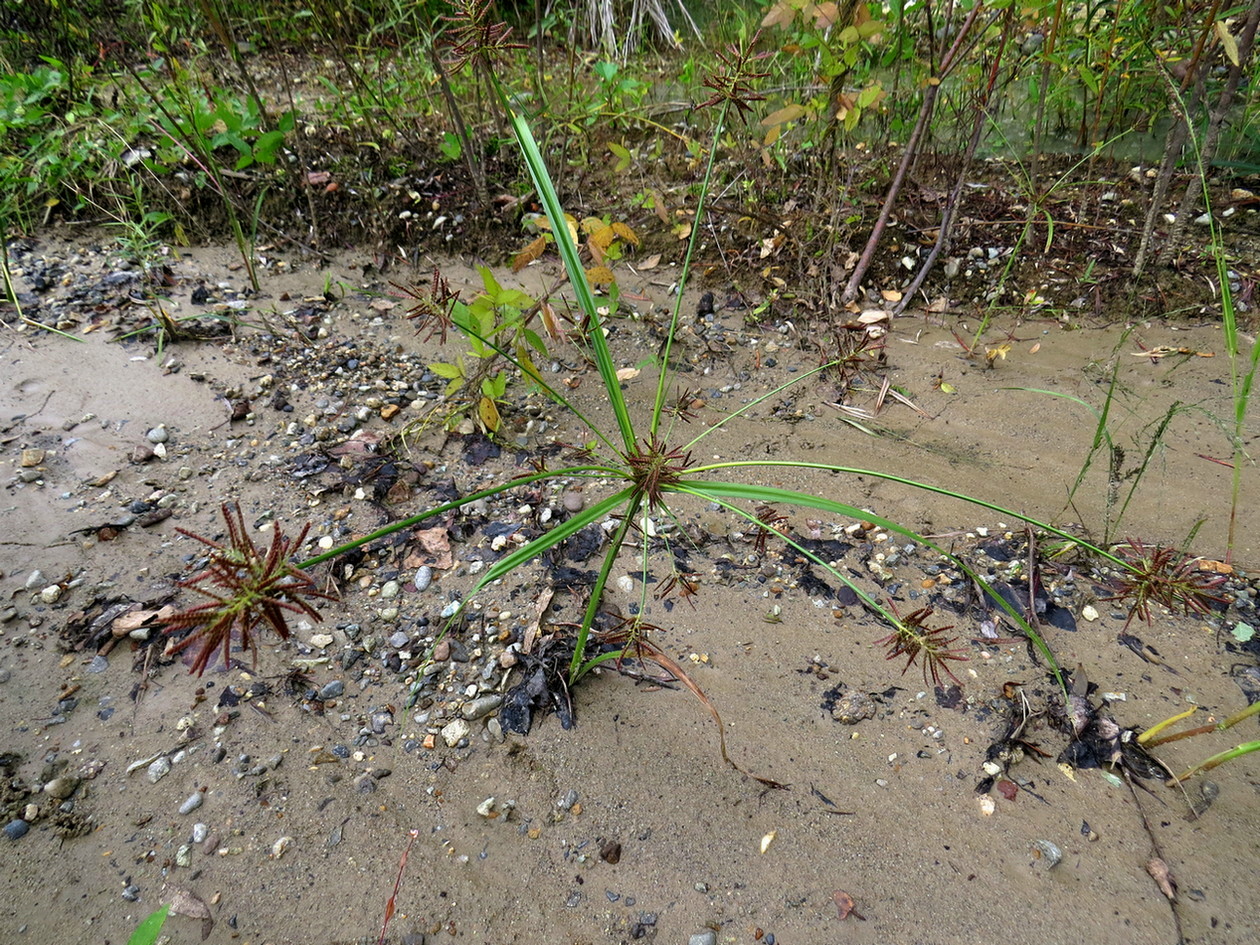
(146, 932)
(449, 371)
(267, 145)
(1243, 632)
(623, 156)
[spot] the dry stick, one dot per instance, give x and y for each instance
(402, 865)
(1175, 143)
(475, 170)
(1047, 50)
(943, 235)
(1155, 848)
(303, 165)
(1211, 139)
(907, 158)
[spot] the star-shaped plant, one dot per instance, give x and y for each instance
(258, 588)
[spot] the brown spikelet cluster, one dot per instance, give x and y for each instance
(252, 587)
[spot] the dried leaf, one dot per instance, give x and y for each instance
(185, 903)
(650, 263)
(890, 295)
(845, 905)
(626, 233)
(436, 545)
(527, 255)
(627, 373)
(1163, 877)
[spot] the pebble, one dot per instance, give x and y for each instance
(158, 770)
(567, 801)
(707, 937)
(195, 800)
(450, 610)
(389, 590)
(200, 832)
(158, 434)
(5, 674)
(51, 594)
(99, 664)
(62, 787)
(35, 580)
(332, 690)
(853, 707)
(482, 706)
(455, 732)
(16, 828)
(424, 577)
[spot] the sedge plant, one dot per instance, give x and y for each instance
(642, 468)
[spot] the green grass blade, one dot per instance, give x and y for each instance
(573, 266)
(697, 223)
(914, 484)
(532, 549)
(451, 506)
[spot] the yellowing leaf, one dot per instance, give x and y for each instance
(488, 413)
(1228, 43)
(785, 114)
(683, 230)
(626, 233)
(527, 255)
(600, 275)
(602, 236)
(948, 388)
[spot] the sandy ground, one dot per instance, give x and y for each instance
(629, 827)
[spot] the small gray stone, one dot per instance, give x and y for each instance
(5, 674)
(158, 770)
(482, 706)
(51, 594)
(568, 800)
(450, 610)
(35, 580)
(389, 590)
(399, 639)
(158, 434)
(331, 690)
(99, 664)
(424, 577)
(707, 937)
(195, 800)
(199, 833)
(16, 828)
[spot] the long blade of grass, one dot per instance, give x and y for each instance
(914, 484)
(696, 224)
(450, 506)
(532, 549)
(573, 266)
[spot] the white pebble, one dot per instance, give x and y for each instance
(194, 801)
